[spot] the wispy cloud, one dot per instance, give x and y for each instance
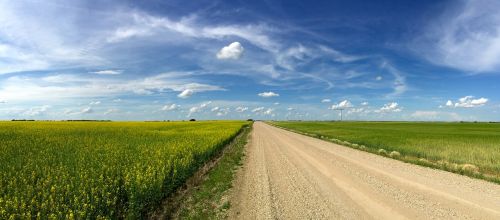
(108, 72)
(170, 107)
(464, 37)
(46, 88)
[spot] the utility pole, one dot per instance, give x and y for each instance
(340, 109)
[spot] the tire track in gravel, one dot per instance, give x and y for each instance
(291, 176)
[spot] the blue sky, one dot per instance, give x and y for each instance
(175, 60)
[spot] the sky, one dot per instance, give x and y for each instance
(262, 59)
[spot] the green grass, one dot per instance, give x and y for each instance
(443, 145)
(210, 200)
(66, 170)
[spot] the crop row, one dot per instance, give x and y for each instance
(88, 170)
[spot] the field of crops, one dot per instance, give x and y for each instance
(468, 148)
(68, 170)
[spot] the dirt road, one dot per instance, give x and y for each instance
(291, 176)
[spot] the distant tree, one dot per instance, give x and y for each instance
(192, 119)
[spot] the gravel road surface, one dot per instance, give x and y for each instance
(292, 176)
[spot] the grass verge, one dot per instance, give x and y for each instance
(205, 195)
(464, 148)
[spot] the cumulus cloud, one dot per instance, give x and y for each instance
(467, 102)
(268, 94)
(389, 107)
(364, 103)
(326, 100)
(449, 103)
(231, 51)
(378, 78)
(198, 108)
(108, 72)
(170, 107)
(220, 111)
(95, 103)
(341, 105)
(290, 109)
(263, 111)
(185, 94)
(241, 109)
(269, 111)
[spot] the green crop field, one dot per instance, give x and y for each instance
(467, 148)
(88, 170)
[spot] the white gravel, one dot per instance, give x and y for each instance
(291, 176)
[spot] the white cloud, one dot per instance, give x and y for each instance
(269, 111)
(389, 107)
(232, 51)
(469, 102)
(186, 93)
(108, 72)
(378, 78)
(466, 37)
(33, 88)
(299, 55)
(111, 111)
(399, 85)
(87, 110)
(341, 105)
(220, 111)
(435, 115)
(263, 111)
(95, 103)
(170, 107)
(241, 109)
(290, 109)
(258, 109)
(425, 114)
(364, 103)
(326, 100)
(37, 110)
(276, 103)
(144, 25)
(199, 108)
(357, 110)
(117, 100)
(268, 94)
(449, 103)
